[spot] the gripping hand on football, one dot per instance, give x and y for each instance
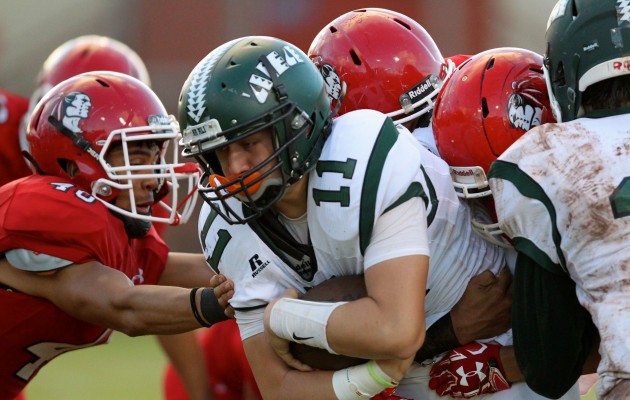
(468, 371)
(281, 345)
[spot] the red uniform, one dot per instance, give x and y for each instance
(12, 164)
(48, 215)
(228, 370)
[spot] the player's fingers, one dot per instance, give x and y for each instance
(291, 293)
(504, 278)
(486, 278)
(294, 363)
(216, 280)
(229, 311)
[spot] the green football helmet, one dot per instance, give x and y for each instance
(240, 88)
(588, 41)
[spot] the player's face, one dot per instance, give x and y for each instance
(245, 154)
(140, 153)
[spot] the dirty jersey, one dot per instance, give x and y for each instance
(562, 192)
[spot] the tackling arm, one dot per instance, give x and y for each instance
(104, 296)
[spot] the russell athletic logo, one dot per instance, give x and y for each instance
(257, 265)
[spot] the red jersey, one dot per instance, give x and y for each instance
(228, 369)
(49, 215)
(12, 164)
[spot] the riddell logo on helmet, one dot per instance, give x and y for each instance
(463, 172)
(420, 89)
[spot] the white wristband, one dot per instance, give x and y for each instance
(361, 381)
(302, 321)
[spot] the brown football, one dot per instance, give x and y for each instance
(342, 288)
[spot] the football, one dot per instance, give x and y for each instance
(342, 288)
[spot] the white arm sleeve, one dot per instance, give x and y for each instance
(399, 232)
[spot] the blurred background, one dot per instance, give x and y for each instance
(171, 37)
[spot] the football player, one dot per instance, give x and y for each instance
(388, 61)
(78, 255)
(561, 194)
(292, 199)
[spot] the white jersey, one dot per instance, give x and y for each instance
(562, 192)
(341, 214)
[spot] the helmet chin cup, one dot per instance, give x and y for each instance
(243, 187)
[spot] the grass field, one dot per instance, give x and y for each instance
(125, 369)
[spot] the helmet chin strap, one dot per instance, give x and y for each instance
(77, 139)
(135, 228)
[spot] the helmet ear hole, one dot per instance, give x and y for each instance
(69, 166)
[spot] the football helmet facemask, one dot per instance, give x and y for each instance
(490, 101)
(387, 60)
(82, 118)
(240, 88)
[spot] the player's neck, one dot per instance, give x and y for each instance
(293, 203)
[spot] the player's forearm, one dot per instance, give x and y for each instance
(363, 329)
(148, 309)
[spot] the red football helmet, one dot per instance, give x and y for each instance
(387, 60)
(80, 119)
(84, 54)
(490, 101)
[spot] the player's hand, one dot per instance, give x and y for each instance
(281, 345)
(223, 290)
(485, 308)
(468, 371)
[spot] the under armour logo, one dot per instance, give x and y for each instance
(465, 375)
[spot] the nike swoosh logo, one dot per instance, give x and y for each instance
(296, 337)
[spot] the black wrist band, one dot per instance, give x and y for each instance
(210, 307)
(193, 305)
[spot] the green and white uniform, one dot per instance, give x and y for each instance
(562, 192)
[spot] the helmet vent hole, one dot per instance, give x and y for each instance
(490, 64)
(333, 29)
(404, 24)
(102, 83)
(560, 75)
(484, 107)
(355, 57)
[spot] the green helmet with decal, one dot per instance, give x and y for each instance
(588, 41)
(240, 88)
